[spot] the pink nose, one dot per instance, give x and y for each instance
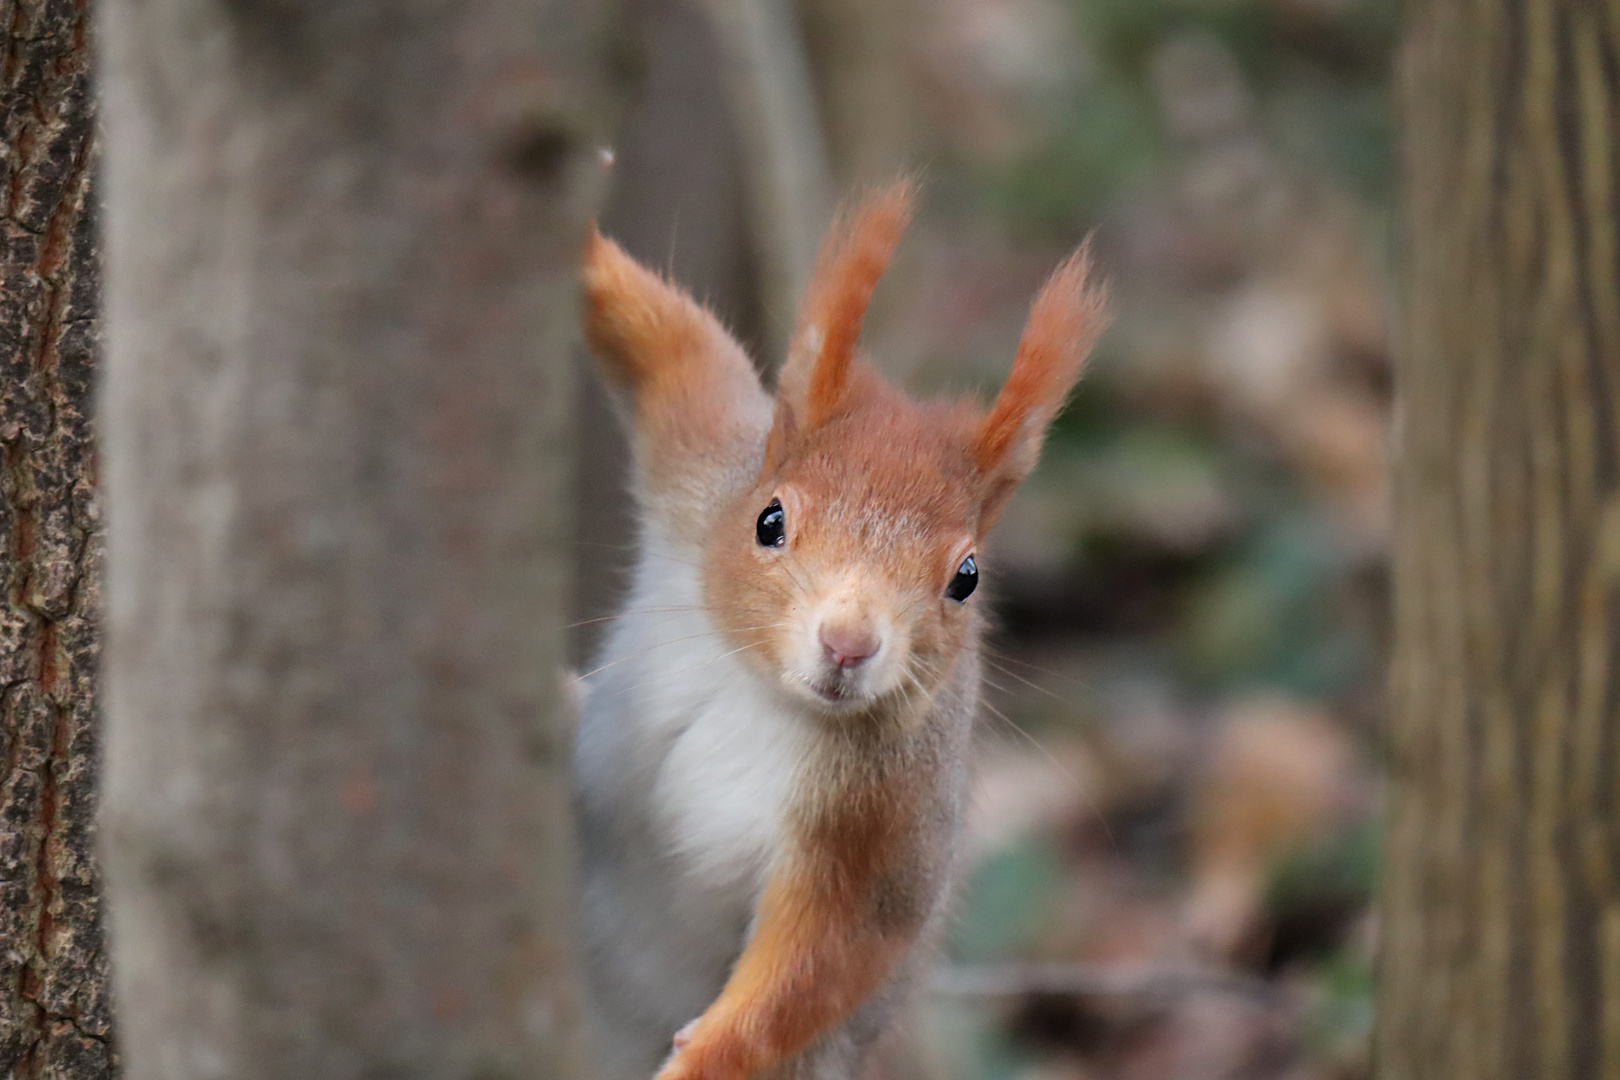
(849, 646)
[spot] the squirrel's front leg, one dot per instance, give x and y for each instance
(822, 945)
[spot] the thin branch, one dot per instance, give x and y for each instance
(1131, 980)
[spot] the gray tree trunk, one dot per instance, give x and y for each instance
(1501, 907)
(342, 241)
(54, 1015)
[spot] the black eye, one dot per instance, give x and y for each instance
(965, 581)
(771, 528)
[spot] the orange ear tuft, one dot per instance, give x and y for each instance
(640, 326)
(624, 303)
(697, 411)
(853, 257)
(1067, 318)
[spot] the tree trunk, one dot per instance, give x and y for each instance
(1501, 913)
(342, 244)
(54, 1015)
(862, 63)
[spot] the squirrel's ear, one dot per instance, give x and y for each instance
(642, 329)
(783, 428)
(1068, 316)
(853, 257)
(698, 411)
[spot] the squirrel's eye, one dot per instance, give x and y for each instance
(771, 529)
(965, 581)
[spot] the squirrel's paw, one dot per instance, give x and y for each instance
(673, 1068)
(678, 1067)
(686, 1062)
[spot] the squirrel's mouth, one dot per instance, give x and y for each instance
(832, 692)
(837, 692)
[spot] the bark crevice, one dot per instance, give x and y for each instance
(54, 1014)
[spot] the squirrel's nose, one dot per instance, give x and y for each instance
(849, 645)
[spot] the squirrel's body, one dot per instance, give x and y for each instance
(771, 763)
(687, 794)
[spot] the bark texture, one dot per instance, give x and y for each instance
(54, 1014)
(342, 246)
(1501, 916)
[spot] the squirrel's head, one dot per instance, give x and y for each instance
(848, 572)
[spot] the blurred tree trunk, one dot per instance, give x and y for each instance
(342, 242)
(54, 1016)
(788, 181)
(1501, 912)
(861, 56)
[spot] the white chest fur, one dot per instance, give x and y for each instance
(724, 787)
(733, 752)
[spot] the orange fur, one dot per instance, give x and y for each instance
(652, 338)
(811, 963)
(853, 258)
(850, 465)
(883, 496)
(1065, 321)
(832, 924)
(698, 404)
(854, 888)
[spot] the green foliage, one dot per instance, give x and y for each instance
(1321, 85)
(1006, 902)
(1205, 548)
(1348, 867)
(1264, 616)
(1339, 1024)
(1108, 142)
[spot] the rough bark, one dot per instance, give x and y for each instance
(54, 1015)
(1501, 913)
(342, 243)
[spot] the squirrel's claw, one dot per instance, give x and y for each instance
(673, 1068)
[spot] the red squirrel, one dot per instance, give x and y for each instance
(772, 756)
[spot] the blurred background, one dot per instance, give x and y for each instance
(1173, 844)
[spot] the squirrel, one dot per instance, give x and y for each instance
(771, 761)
